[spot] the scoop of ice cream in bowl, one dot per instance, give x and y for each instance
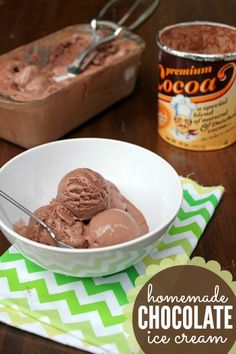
(84, 192)
(110, 200)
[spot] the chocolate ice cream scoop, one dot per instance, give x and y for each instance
(138, 216)
(84, 192)
(110, 227)
(116, 198)
(63, 223)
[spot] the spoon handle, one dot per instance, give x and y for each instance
(18, 205)
(33, 216)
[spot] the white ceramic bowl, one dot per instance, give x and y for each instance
(142, 176)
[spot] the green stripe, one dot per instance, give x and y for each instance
(193, 227)
(184, 215)
(201, 189)
(132, 274)
(116, 288)
(12, 257)
(93, 289)
(193, 202)
(19, 320)
(69, 296)
(149, 260)
(89, 284)
(188, 248)
(59, 326)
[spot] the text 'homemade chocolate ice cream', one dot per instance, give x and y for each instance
(88, 212)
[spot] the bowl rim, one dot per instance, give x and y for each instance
(118, 246)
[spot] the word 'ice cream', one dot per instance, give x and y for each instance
(88, 212)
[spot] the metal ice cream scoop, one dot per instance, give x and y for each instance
(98, 39)
(43, 224)
(89, 53)
(147, 8)
(114, 29)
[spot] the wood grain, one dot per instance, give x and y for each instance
(132, 120)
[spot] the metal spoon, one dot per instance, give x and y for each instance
(43, 224)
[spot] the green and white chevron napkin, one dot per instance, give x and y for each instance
(87, 313)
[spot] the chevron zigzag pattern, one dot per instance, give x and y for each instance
(87, 312)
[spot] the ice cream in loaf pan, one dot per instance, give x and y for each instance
(35, 109)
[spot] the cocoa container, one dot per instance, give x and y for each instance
(197, 85)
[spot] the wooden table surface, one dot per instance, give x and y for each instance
(132, 120)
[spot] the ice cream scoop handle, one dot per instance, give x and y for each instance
(33, 216)
(90, 52)
(111, 6)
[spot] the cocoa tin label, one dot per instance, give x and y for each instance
(196, 102)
